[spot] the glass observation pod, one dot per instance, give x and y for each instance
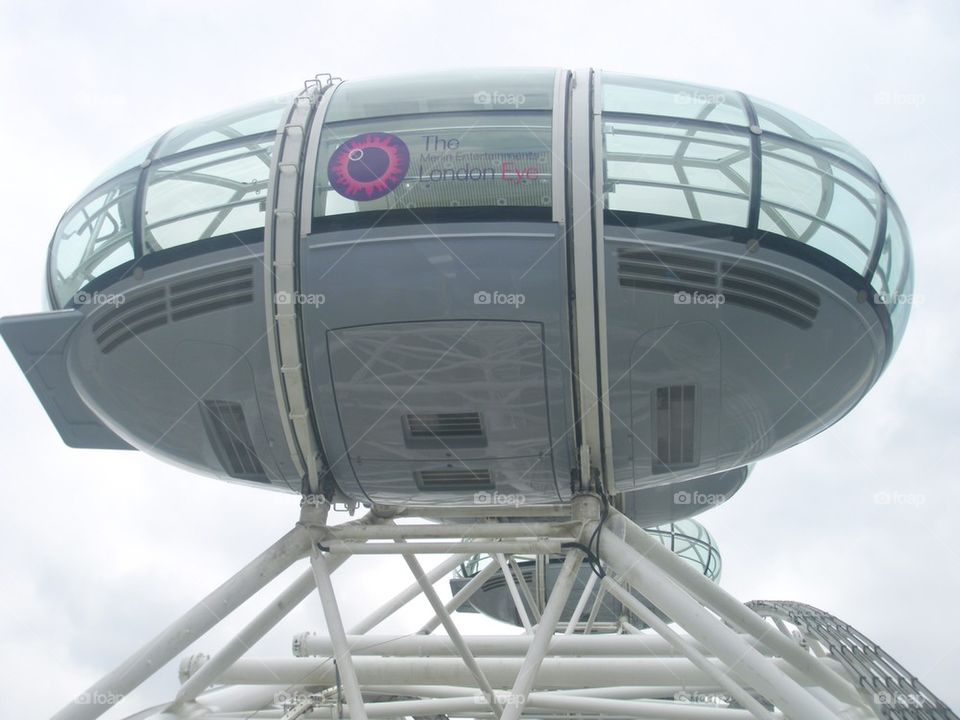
(496, 598)
(382, 289)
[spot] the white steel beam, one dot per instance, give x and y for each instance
(527, 675)
(757, 670)
(190, 626)
(734, 612)
(454, 633)
(331, 613)
(686, 648)
(514, 592)
(465, 593)
(405, 596)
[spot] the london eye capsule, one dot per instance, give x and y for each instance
(397, 290)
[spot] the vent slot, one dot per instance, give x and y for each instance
(185, 299)
(444, 430)
(739, 283)
(674, 428)
(211, 292)
(229, 435)
(129, 319)
(453, 479)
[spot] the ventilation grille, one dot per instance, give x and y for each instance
(738, 283)
(674, 428)
(453, 479)
(229, 435)
(181, 300)
(444, 430)
(499, 581)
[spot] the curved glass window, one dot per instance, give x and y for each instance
(481, 139)
(670, 169)
(697, 163)
(95, 236)
(892, 281)
(806, 196)
(206, 193)
(647, 96)
(261, 117)
(776, 119)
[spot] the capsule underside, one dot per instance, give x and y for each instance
(748, 266)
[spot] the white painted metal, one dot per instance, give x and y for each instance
(600, 674)
(754, 668)
(100, 696)
(331, 613)
(514, 592)
(527, 675)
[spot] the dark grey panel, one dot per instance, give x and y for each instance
(38, 342)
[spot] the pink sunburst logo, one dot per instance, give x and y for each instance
(368, 166)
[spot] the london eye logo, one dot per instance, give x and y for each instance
(368, 166)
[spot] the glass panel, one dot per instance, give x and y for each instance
(893, 280)
(776, 119)
(678, 171)
(206, 195)
(504, 89)
(131, 160)
(94, 237)
(810, 198)
(646, 96)
(444, 160)
(254, 119)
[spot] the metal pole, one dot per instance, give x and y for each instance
(514, 593)
(457, 531)
(445, 548)
(190, 626)
(331, 613)
(454, 632)
(757, 670)
(405, 596)
(667, 633)
(541, 640)
(466, 592)
(245, 639)
(735, 612)
(524, 587)
(581, 604)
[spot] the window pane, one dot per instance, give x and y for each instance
(646, 96)
(206, 195)
(443, 160)
(489, 90)
(774, 118)
(678, 171)
(808, 197)
(253, 119)
(893, 279)
(94, 237)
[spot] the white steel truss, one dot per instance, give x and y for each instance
(716, 658)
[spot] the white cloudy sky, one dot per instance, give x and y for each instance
(100, 550)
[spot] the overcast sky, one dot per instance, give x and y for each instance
(100, 550)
